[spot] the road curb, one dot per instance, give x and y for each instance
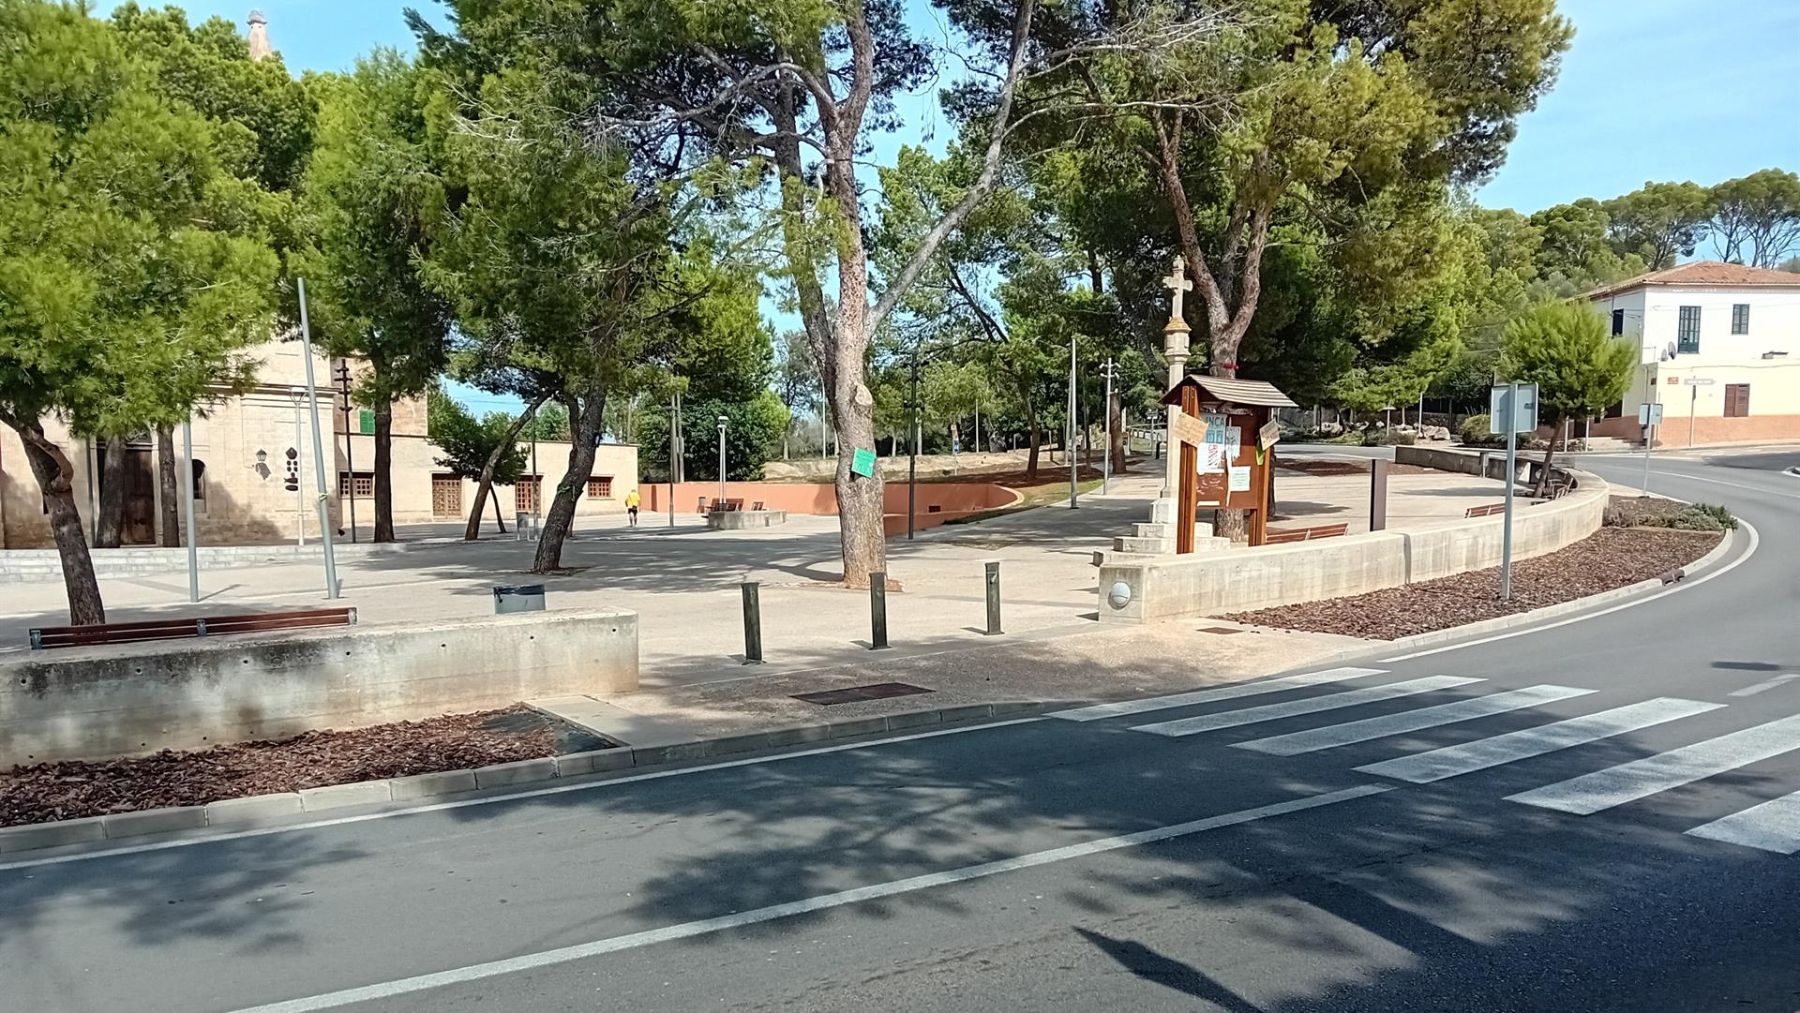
(1560, 609)
(236, 813)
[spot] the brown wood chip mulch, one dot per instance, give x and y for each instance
(67, 790)
(1609, 558)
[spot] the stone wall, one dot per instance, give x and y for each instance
(98, 702)
(1242, 579)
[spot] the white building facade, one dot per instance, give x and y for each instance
(1722, 351)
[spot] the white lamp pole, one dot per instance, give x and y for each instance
(722, 421)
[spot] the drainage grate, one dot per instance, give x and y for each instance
(1218, 629)
(874, 691)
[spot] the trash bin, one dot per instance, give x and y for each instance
(518, 598)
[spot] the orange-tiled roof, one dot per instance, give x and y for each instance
(1705, 272)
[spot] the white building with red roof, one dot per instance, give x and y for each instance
(1721, 353)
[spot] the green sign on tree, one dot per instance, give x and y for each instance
(863, 463)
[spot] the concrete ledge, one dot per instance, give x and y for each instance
(499, 775)
(154, 821)
(594, 761)
(253, 808)
(337, 796)
(52, 835)
(443, 782)
(129, 699)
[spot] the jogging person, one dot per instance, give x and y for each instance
(631, 505)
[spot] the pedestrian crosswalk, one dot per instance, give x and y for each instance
(1772, 825)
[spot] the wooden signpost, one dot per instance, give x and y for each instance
(1227, 435)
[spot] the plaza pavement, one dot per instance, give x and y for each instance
(683, 580)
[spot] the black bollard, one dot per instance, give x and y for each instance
(877, 611)
(993, 598)
(752, 623)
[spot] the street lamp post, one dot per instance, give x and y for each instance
(722, 421)
(1106, 409)
(912, 456)
(1069, 442)
(342, 373)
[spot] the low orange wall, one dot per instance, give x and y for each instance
(1707, 429)
(936, 502)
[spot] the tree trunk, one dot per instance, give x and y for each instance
(584, 422)
(168, 487)
(384, 467)
(1543, 482)
(110, 524)
(1115, 410)
(56, 479)
(499, 518)
(484, 484)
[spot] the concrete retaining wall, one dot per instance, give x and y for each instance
(98, 702)
(1243, 579)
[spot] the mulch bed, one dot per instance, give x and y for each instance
(1609, 558)
(71, 789)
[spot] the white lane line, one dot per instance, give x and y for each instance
(1452, 761)
(1311, 705)
(705, 926)
(1331, 736)
(1771, 826)
(1765, 685)
(1156, 703)
(238, 835)
(1629, 782)
(1525, 631)
(1733, 485)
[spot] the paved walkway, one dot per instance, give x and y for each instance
(683, 580)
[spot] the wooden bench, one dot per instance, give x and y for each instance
(180, 629)
(1281, 536)
(1485, 511)
(757, 506)
(727, 506)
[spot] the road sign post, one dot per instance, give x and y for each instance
(1512, 409)
(1650, 415)
(1694, 383)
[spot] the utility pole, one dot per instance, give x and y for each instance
(343, 379)
(674, 448)
(1069, 442)
(331, 583)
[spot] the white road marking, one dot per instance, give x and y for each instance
(1771, 826)
(1733, 485)
(1452, 761)
(1294, 708)
(1156, 703)
(706, 926)
(1525, 631)
(238, 835)
(1331, 736)
(1765, 685)
(1629, 782)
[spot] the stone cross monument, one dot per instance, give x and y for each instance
(1175, 352)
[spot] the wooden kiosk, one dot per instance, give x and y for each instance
(1227, 435)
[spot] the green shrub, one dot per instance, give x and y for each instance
(1704, 517)
(1650, 512)
(1474, 432)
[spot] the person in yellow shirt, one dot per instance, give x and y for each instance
(631, 505)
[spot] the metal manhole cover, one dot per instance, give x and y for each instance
(874, 691)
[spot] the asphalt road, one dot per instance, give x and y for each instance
(1591, 816)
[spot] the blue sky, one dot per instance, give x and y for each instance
(1652, 89)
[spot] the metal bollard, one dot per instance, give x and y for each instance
(877, 611)
(1378, 495)
(993, 598)
(753, 654)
